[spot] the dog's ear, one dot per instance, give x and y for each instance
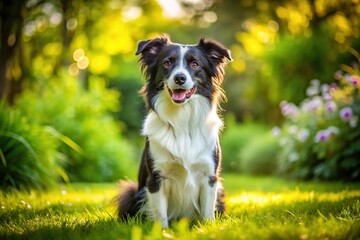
(152, 46)
(149, 50)
(216, 52)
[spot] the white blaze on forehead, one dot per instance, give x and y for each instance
(181, 68)
(183, 50)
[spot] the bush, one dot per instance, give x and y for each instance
(95, 149)
(320, 138)
(259, 156)
(27, 153)
(234, 140)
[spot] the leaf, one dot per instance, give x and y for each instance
(3, 159)
(64, 139)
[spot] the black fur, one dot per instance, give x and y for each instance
(209, 77)
(130, 199)
(154, 181)
(216, 56)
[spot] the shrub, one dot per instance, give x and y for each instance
(320, 138)
(95, 149)
(233, 141)
(259, 156)
(27, 153)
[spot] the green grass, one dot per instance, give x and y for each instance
(257, 208)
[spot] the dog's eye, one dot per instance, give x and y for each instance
(167, 63)
(194, 65)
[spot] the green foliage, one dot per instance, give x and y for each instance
(259, 207)
(27, 153)
(132, 110)
(259, 156)
(235, 139)
(321, 137)
(94, 149)
(293, 61)
(277, 48)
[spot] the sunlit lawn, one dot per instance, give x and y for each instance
(258, 208)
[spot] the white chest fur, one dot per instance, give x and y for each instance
(182, 142)
(184, 133)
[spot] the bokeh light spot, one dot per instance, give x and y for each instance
(83, 63)
(210, 17)
(78, 54)
(73, 69)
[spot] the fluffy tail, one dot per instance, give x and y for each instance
(129, 200)
(220, 204)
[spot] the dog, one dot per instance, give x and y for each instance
(179, 171)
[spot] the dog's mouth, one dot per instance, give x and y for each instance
(181, 95)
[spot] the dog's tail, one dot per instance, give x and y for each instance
(220, 203)
(130, 200)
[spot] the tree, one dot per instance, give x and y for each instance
(11, 74)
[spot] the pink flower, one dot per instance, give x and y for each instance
(338, 75)
(354, 80)
(333, 86)
(288, 109)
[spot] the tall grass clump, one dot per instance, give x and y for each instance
(93, 146)
(27, 153)
(320, 138)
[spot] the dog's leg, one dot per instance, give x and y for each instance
(158, 207)
(208, 198)
(158, 201)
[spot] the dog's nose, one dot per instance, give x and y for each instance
(180, 78)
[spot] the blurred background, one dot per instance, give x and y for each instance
(69, 80)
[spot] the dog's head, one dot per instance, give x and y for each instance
(182, 70)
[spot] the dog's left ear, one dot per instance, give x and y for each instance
(152, 46)
(216, 52)
(149, 52)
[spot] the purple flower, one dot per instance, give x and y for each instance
(322, 136)
(327, 96)
(325, 88)
(346, 114)
(276, 131)
(312, 105)
(347, 77)
(303, 135)
(330, 106)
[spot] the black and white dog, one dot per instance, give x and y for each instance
(178, 175)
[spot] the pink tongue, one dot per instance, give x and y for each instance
(178, 95)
